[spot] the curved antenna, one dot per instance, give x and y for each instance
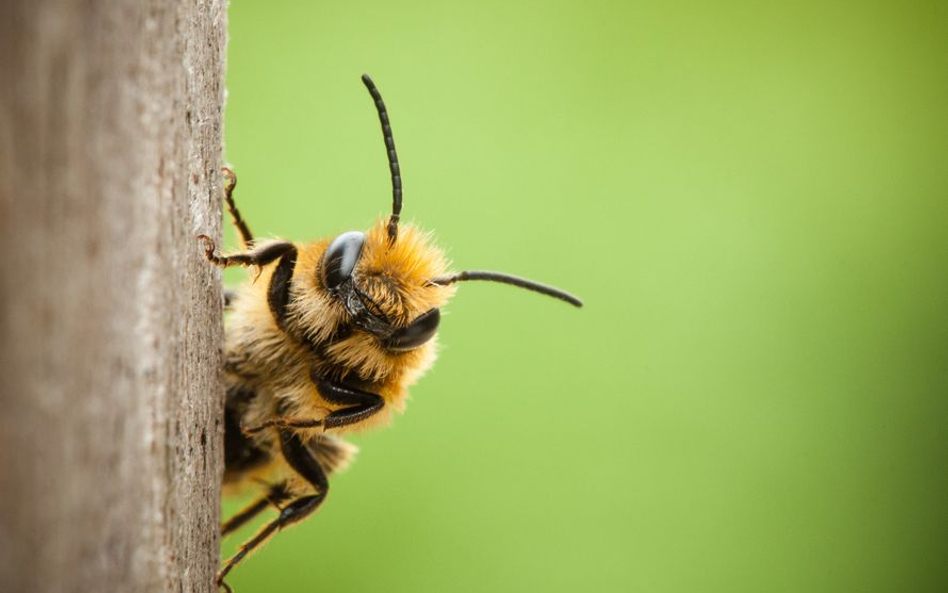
(508, 279)
(392, 158)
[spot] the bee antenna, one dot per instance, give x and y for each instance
(392, 158)
(508, 279)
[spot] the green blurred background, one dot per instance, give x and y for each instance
(752, 199)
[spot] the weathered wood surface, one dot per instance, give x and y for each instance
(110, 156)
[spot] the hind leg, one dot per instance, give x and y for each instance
(303, 463)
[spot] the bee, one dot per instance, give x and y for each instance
(325, 340)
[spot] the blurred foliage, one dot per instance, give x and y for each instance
(752, 198)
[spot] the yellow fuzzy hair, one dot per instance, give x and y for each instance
(397, 276)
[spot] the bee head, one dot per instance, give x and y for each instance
(386, 287)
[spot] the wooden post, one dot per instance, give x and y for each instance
(110, 423)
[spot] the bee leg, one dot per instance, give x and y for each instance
(277, 495)
(361, 404)
(303, 463)
(229, 296)
(245, 235)
(258, 256)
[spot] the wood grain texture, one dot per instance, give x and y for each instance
(110, 156)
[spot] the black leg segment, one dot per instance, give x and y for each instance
(278, 293)
(308, 468)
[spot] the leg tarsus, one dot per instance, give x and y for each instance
(263, 535)
(258, 256)
(245, 235)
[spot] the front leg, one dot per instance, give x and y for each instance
(258, 256)
(359, 406)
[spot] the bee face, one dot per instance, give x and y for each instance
(396, 303)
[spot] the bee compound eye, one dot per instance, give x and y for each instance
(341, 258)
(420, 331)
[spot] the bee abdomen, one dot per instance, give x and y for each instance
(241, 454)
